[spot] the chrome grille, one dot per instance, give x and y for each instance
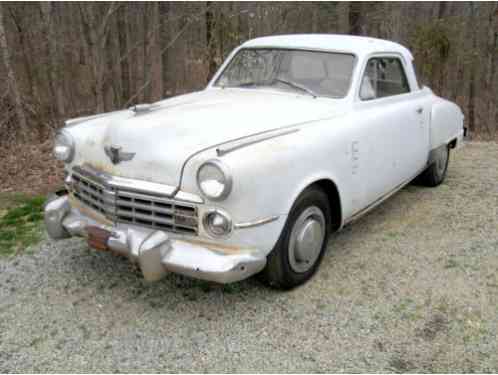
(120, 204)
(93, 194)
(155, 212)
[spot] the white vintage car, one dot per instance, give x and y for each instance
(294, 137)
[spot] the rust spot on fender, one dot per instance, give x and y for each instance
(99, 218)
(111, 170)
(103, 168)
(97, 238)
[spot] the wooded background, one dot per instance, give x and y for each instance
(63, 60)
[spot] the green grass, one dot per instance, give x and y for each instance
(20, 222)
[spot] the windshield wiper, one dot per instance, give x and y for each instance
(297, 86)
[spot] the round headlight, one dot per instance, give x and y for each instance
(64, 147)
(214, 180)
(217, 223)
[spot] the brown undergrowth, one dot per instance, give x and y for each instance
(29, 168)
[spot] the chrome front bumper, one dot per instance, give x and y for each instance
(155, 251)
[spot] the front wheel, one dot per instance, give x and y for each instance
(436, 172)
(302, 243)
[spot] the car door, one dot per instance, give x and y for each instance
(392, 134)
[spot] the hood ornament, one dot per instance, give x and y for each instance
(116, 155)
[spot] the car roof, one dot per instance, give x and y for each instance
(358, 45)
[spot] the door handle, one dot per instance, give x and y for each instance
(420, 110)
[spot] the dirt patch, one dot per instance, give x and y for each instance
(400, 365)
(437, 323)
(30, 169)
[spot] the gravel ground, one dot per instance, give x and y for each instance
(411, 287)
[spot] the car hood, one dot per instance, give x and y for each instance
(165, 136)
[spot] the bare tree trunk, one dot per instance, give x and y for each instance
(355, 19)
(134, 55)
(155, 73)
(471, 105)
(144, 64)
(343, 17)
(152, 58)
(24, 43)
(113, 86)
(243, 22)
(164, 9)
(95, 32)
(396, 23)
(124, 46)
(442, 62)
(11, 79)
(210, 40)
(315, 20)
(492, 45)
(53, 66)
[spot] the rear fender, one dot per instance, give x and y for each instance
(446, 123)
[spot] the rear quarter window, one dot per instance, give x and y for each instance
(383, 77)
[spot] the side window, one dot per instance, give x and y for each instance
(384, 76)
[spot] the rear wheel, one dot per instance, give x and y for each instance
(302, 243)
(436, 172)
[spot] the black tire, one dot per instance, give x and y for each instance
(278, 272)
(435, 174)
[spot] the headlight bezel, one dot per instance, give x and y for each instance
(68, 142)
(228, 181)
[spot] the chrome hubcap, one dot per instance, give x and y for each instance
(441, 161)
(306, 240)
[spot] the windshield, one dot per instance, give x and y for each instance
(307, 72)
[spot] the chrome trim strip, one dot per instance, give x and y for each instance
(225, 149)
(188, 197)
(128, 183)
(255, 223)
(142, 186)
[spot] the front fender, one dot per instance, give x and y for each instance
(269, 176)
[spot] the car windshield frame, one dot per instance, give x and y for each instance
(219, 76)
